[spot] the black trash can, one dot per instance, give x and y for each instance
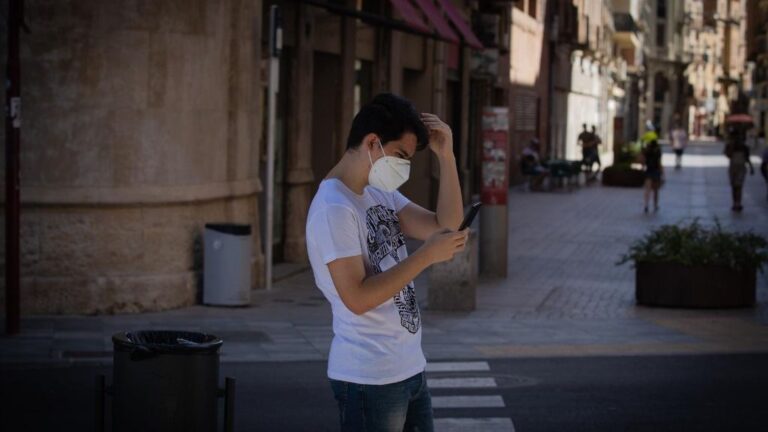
(165, 381)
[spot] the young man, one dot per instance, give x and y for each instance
(356, 232)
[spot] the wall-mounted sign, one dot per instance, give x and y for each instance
(495, 167)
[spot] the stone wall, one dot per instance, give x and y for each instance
(142, 123)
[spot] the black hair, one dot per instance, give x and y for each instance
(389, 116)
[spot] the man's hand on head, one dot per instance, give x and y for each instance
(440, 135)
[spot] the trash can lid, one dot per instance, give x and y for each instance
(230, 228)
(166, 341)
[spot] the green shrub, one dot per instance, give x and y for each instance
(627, 155)
(696, 244)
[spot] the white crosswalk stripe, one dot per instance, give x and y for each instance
(490, 424)
(493, 401)
(444, 404)
(458, 366)
(461, 382)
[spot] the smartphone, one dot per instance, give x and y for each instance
(470, 215)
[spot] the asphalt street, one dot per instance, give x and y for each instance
(648, 393)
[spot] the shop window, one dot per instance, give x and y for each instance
(661, 8)
(660, 87)
(661, 35)
(532, 8)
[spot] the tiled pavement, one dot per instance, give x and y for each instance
(564, 295)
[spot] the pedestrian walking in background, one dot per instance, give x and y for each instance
(679, 139)
(596, 142)
(356, 231)
(586, 140)
(654, 174)
(764, 169)
(650, 133)
(738, 153)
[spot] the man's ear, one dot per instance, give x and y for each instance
(370, 141)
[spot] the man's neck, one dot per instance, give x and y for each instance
(351, 171)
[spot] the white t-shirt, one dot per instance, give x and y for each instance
(679, 138)
(383, 345)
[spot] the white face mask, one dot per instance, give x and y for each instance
(389, 172)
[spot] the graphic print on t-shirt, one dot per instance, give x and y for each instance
(384, 239)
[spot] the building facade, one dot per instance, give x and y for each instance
(719, 73)
(629, 39)
(144, 122)
(665, 63)
(141, 124)
(589, 78)
(757, 56)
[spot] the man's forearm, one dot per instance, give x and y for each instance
(449, 201)
(381, 287)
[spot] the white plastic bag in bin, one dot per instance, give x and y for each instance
(227, 264)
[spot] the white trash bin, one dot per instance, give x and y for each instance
(227, 265)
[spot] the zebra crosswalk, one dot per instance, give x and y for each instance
(439, 379)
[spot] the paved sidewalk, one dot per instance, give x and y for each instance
(563, 297)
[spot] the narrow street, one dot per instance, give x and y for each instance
(167, 174)
(559, 345)
(648, 393)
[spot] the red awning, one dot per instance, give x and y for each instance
(436, 18)
(455, 16)
(436, 11)
(739, 118)
(410, 15)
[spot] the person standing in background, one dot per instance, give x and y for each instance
(679, 139)
(584, 140)
(532, 166)
(654, 174)
(764, 168)
(596, 141)
(737, 151)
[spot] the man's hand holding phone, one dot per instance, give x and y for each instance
(443, 245)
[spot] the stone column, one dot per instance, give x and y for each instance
(395, 62)
(347, 90)
(381, 53)
(465, 162)
(299, 176)
(439, 74)
(141, 124)
(388, 65)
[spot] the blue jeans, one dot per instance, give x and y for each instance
(401, 406)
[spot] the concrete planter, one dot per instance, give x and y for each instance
(676, 285)
(622, 177)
